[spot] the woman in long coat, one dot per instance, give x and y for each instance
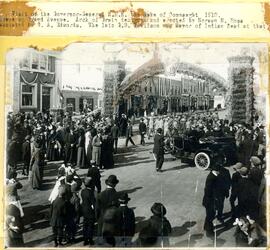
(81, 150)
(36, 166)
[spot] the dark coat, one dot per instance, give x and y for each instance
(58, 212)
(256, 175)
(94, 173)
(235, 178)
(88, 203)
(129, 131)
(161, 225)
(223, 183)
(115, 132)
(127, 221)
(111, 222)
(142, 128)
(247, 193)
(26, 152)
(104, 200)
(209, 190)
(158, 145)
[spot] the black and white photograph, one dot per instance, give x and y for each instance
(136, 145)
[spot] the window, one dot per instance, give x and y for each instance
(27, 95)
(25, 63)
(43, 62)
(51, 64)
(35, 60)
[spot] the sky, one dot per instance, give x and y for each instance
(82, 63)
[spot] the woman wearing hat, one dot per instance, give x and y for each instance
(36, 166)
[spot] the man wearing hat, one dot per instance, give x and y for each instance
(256, 172)
(58, 217)
(88, 202)
(158, 150)
(235, 178)
(142, 129)
(223, 186)
(26, 154)
(127, 221)
(209, 198)
(104, 199)
(129, 133)
(94, 173)
(73, 213)
(96, 152)
(247, 195)
(111, 227)
(159, 223)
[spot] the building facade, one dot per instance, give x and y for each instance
(35, 78)
(81, 98)
(185, 87)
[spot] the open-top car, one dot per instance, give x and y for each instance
(203, 152)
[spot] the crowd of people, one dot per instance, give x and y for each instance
(91, 141)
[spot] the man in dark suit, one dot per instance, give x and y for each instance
(127, 221)
(235, 178)
(58, 217)
(209, 200)
(129, 134)
(70, 146)
(104, 200)
(111, 228)
(115, 135)
(94, 173)
(159, 149)
(88, 210)
(142, 129)
(224, 183)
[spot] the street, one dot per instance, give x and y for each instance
(179, 187)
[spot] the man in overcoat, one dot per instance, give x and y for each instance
(58, 217)
(88, 203)
(104, 200)
(159, 149)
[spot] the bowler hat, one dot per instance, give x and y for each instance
(112, 180)
(123, 198)
(158, 209)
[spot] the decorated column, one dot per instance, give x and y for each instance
(241, 97)
(114, 73)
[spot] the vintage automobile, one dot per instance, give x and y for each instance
(203, 152)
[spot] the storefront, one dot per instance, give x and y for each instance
(35, 82)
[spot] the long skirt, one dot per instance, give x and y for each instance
(81, 157)
(89, 153)
(36, 179)
(96, 155)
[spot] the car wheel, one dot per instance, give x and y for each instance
(202, 160)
